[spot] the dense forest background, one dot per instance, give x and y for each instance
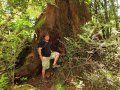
(92, 58)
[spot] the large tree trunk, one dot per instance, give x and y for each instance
(62, 19)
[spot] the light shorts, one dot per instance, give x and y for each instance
(46, 60)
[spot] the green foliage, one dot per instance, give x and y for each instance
(17, 18)
(25, 87)
(59, 86)
(3, 82)
(104, 79)
(39, 24)
(86, 1)
(105, 11)
(23, 79)
(103, 53)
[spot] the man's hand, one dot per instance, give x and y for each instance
(40, 53)
(41, 58)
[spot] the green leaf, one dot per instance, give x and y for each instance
(40, 23)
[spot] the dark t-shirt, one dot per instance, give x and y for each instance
(46, 48)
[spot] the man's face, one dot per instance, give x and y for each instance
(47, 37)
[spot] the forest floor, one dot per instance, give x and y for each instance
(49, 85)
(85, 71)
(53, 78)
(63, 77)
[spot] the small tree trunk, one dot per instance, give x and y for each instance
(106, 11)
(115, 14)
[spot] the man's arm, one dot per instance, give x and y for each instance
(40, 53)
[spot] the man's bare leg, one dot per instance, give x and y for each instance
(56, 58)
(43, 73)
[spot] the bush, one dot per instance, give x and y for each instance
(3, 81)
(97, 59)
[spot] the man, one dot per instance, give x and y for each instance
(45, 53)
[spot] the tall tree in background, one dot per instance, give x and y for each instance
(114, 10)
(106, 11)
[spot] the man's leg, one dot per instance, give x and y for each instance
(55, 55)
(45, 65)
(43, 73)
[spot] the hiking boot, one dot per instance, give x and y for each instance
(54, 66)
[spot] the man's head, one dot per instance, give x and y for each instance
(46, 36)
